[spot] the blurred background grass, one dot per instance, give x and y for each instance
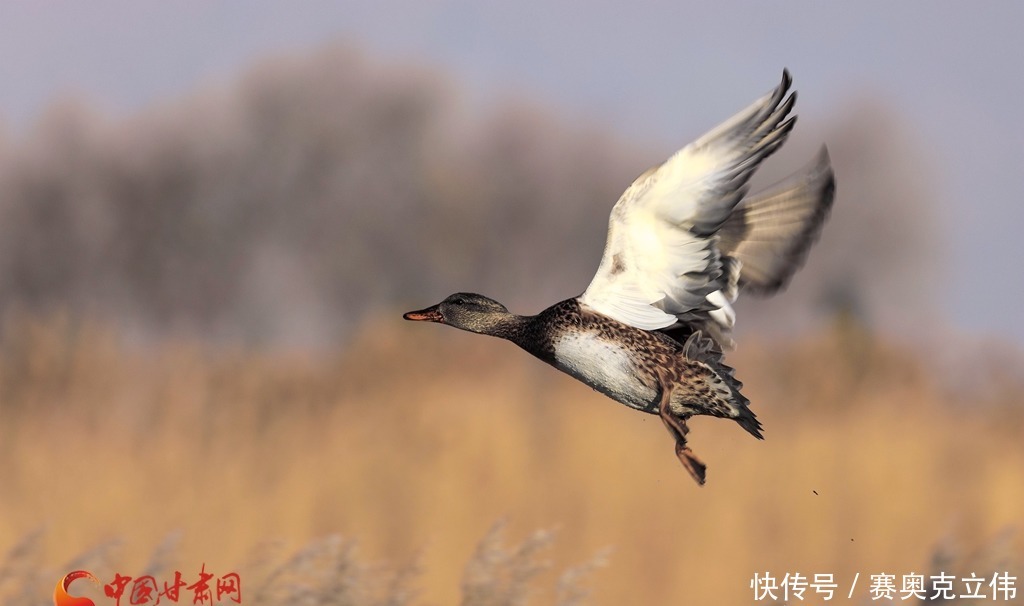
(412, 443)
(201, 353)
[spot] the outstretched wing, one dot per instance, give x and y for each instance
(771, 231)
(662, 263)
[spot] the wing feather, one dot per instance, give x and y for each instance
(662, 262)
(771, 232)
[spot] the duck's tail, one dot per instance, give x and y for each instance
(748, 420)
(725, 399)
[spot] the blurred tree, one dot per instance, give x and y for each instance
(284, 207)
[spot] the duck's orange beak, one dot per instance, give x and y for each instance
(430, 314)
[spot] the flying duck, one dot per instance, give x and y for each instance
(683, 241)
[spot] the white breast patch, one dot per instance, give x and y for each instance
(603, 365)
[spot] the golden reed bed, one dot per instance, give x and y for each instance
(412, 444)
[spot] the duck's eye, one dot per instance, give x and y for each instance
(459, 301)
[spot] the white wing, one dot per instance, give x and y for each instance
(661, 263)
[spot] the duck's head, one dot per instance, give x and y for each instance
(465, 310)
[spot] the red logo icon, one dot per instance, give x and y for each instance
(61, 597)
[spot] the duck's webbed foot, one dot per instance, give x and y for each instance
(676, 426)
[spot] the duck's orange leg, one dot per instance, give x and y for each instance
(676, 426)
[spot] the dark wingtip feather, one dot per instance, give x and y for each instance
(828, 190)
(779, 97)
(787, 81)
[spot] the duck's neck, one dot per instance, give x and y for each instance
(505, 326)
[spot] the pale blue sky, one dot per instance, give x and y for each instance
(950, 70)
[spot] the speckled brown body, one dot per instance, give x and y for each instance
(630, 365)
